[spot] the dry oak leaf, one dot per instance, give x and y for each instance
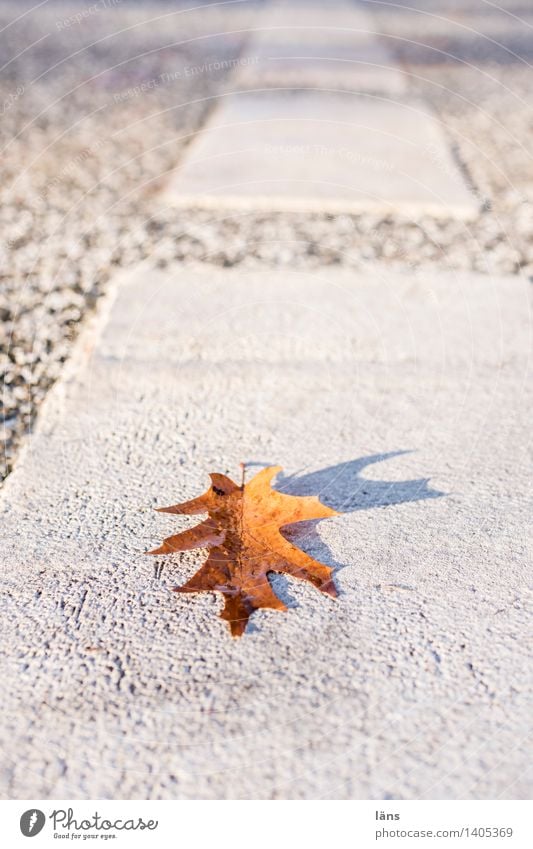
(243, 535)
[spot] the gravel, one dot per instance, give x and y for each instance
(88, 141)
(93, 115)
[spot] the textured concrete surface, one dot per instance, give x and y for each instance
(321, 151)
(414, 683)
(333, 45)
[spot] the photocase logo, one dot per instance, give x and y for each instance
(32, 822)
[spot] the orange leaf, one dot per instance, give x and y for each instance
(243, 536)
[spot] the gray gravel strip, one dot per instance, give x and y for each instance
(93, 115)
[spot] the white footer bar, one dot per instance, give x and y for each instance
(260, 825)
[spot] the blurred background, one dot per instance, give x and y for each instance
(99, 101)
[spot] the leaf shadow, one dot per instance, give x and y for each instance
(343, 488)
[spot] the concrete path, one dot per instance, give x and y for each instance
(318, 45)
(319, 118)
(410, 685)
(321, 151)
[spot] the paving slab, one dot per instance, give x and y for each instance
(321, 151)
(319, 45)
(402, 402)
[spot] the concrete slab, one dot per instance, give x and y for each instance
(413, 683)
(333, 45)
(321, 151)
